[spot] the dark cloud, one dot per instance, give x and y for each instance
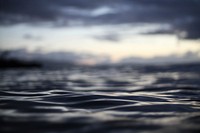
(19, 11)
(181, 15)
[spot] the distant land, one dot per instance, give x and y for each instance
(23, 59)
(15, 63)
(6, 62)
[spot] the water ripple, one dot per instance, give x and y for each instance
(118, 100)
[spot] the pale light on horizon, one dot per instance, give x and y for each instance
(80, 39)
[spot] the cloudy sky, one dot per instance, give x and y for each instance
(119, 29)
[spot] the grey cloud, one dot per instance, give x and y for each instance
(108, 37)
(173, 58)
(32, 37)
(182, 15)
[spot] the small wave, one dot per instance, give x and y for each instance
(100, 100)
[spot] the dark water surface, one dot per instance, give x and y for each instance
(127, 99)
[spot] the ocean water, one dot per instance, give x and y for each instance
(115, 99)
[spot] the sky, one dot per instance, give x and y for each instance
(121, 30)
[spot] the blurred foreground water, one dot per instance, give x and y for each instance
(118, 99)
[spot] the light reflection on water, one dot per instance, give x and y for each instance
(113, 99)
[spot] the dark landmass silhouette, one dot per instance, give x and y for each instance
(62, 60)
(14, 63)
(6, 62)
